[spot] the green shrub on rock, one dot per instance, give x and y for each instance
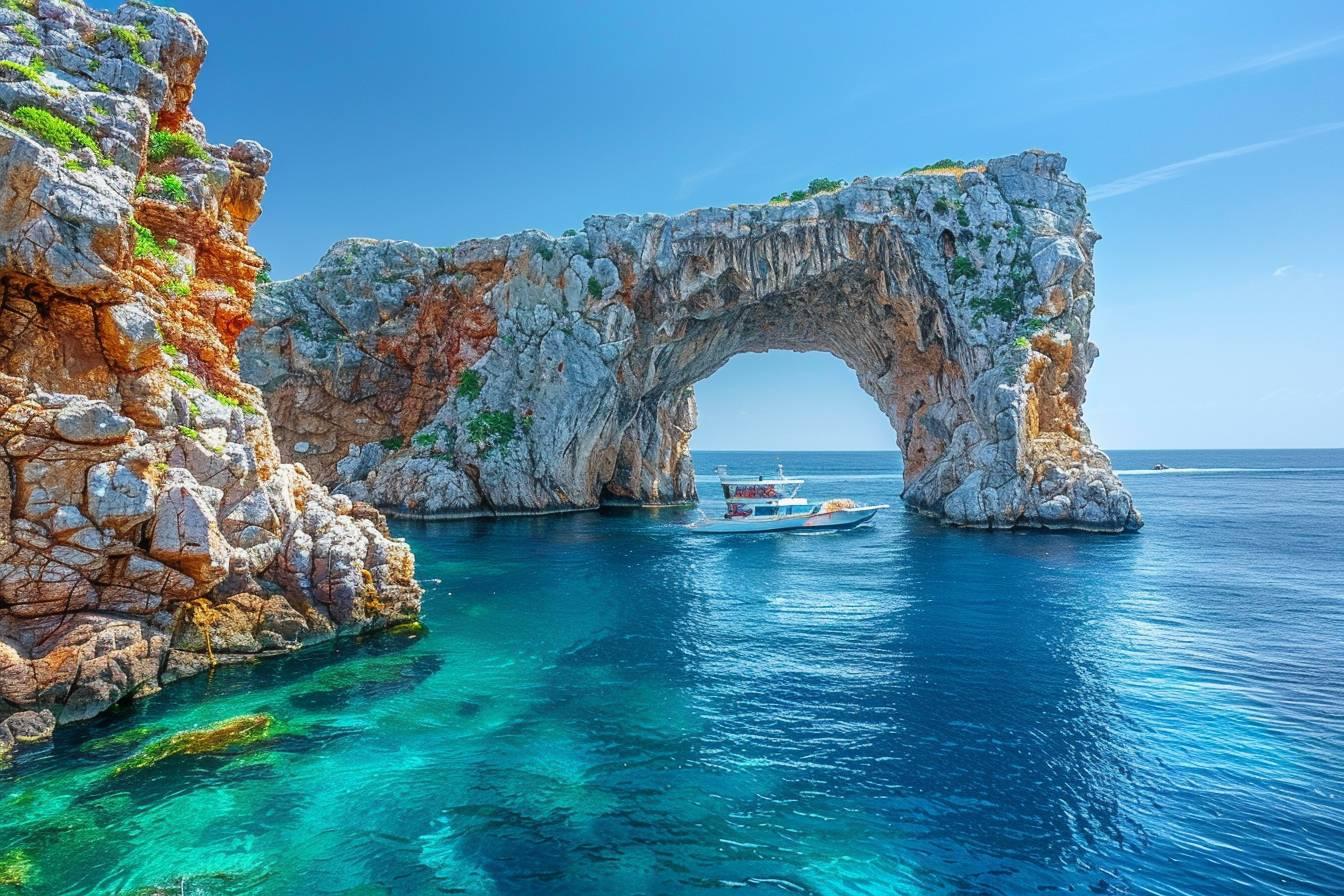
(29, 36)
(179, 288)
(55, 131)
(147, 246)
(173, 188)
(492, 429)
(936, 166)
(186, 377)
(963, 267)
(1003, 306)
(132, 39)
(31, 70)
(816, 186)
(469, 385)
(823, 185)
(175, 144)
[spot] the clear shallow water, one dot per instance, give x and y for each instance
(604, 704)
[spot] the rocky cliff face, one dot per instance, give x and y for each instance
(530, 373)
(147, 526)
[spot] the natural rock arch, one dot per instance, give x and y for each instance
(960, 296)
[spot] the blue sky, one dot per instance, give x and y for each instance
(1210, 137)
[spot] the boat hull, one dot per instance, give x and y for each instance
(835, 519)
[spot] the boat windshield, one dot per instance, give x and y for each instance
(752, 490)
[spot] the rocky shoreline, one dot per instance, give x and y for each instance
(148, 529)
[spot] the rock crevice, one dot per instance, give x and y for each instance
(531, 373)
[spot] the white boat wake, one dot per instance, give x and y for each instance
(1230, 470)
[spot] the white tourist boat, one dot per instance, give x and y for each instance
(758, 504)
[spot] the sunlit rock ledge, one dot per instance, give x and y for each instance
(531, 373)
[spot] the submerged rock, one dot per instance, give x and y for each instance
(147, 526)
(222, 737)
(25, 728)
(532, 373)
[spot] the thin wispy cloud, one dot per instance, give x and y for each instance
(690, 181)
(1176, 169)
(1325, 46)
(1297, 275)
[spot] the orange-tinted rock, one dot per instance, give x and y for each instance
(142, 495)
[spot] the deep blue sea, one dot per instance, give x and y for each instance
(604, 704)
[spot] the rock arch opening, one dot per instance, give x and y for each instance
(879, 315)
(787, 401)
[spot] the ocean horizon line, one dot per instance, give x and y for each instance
(897, 451)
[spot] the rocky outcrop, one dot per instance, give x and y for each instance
(147, 526)
(529, 373)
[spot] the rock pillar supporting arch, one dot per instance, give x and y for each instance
(961, 298)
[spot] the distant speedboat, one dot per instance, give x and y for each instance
(758, 504)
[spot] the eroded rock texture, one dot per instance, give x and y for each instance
(529, 373)
(147, 526)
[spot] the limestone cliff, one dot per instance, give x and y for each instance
(530, 373)
(147, 526)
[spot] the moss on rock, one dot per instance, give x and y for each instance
(16, 868)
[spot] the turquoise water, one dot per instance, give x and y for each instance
(604, 704)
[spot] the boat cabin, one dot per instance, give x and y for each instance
(757, 488)
(759, 496)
